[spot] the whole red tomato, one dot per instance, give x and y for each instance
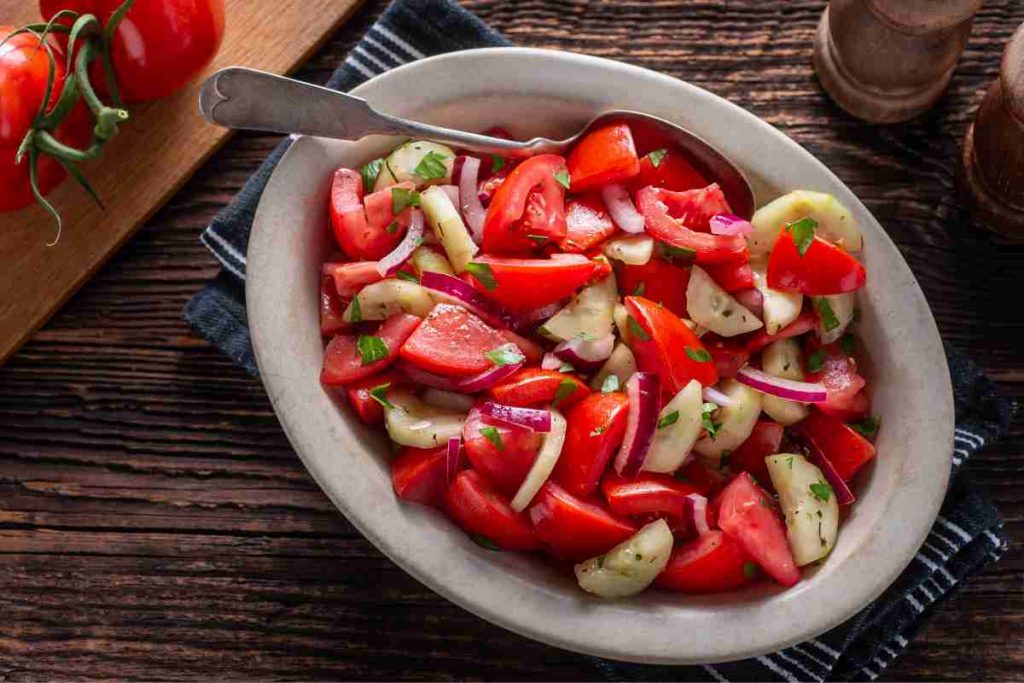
(159, 45)
(24, 68)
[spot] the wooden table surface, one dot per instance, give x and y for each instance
(155, 523)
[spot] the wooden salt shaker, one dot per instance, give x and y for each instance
(993, 158)
(889, 60)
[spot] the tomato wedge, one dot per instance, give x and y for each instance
(479, 509)
(667, 346)
(528, 208)
(594, 432)
(732, 277)
(604, 155)
(380, 213)
(505, 456)
(706, 479)
(657, 280)
(838, 374)
(647, 493)
(762, 442)
(355, 235)
(680, 219)
(713, 563)
(534, 386)
(533, 351)
(847, 450)
(527, 284)
(576, 528)
(331, 308)
(366, 407)
(343, 362)
(747, 515)
(729, 354)
(823, 269)
(673, 172)
(421, 474)
(452, 342)
(349, 278)
(587, 224)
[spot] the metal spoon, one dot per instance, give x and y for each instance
(237, 97)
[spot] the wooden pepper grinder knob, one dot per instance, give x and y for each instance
(889, 60)
(993, 159)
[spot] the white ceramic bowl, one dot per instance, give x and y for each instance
(542, 92)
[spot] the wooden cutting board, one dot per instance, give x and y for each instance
(163, 144)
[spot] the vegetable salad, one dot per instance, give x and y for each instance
(590, 357)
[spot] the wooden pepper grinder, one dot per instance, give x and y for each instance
(889, 60)
(993, 159)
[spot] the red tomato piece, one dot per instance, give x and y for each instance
(533, 351)
(452, 342)
(673, 172)
(504, 466)
(803, 324)
(604, 155)
(732, 277)
(669, 347)
(747, 515)
(680, 219)
(587, 224)
(647, 493)
(657, 280)
(527, 284)
(848, 408)
(847, 450)
(381, 217)
(331, 308)
(349, 278)
(365, 406)
(838, 374)
(729, 354)
(823, 269)
(534, 386)
(479, 509)
(355, 235)
(707, 480)
(421, 474)
(713, 563)
(762, 442)
(576, 528)
(530, 202)
(344, 364)
(594, 432)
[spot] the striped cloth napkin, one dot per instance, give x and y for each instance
(967, 536)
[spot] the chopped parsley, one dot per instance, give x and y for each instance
(392, 228)
(497, 163)
(401, 199)
(610, 384)
(380, 394)
(821, 490)
(636, 330)
(600, 430)
(640, 289)
(867, 427)
(538, 239)
(507, 354)
(803, 233)
(699, 355)
(566, 388)
(370, 173)
(828, 317)
(705, 417)
(566, 367)
(656, 156)
(670, 253)
(562, 177)
(407, 276)
(669, 419)
(816, 361)
(494, 436)
(431, 166)
(848, 344)
(483, 273)
(484, 542)
(749, 570)
(356, 314)
(371, 348)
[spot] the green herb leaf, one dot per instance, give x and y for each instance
(494, 436)
(636, 330)
(356, 315)
(699, 355)
(640, 289)
(610, 384)
(566, 388)
(749, 570)
(672, 253)
(723, 459)
(705, 417)
(656, 156)
(431, 166)
(538, 239)
(867, 427)
(407, 276)
(821, 490)
(483, 273)
(379, 394)
(371, 348)
(370, 173)
(828, 317)
(401, 199)
(484, 542)
(600, 430)
(497, 163)
(506, 354)
(669, 419)
(562, 177)
(392, 228)
(816, 361)
(803, 233)
(566, 367)
(848, 344)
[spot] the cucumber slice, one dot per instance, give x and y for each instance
(381, 300)
(712, 307)
(629, 567)
(425, 260)
(400, 166)
(780, 308)
(735, 422)
(621, 363)
(783, 359)
(679, 425)
(590, 314)
(835, 222)
(446, 222)
(634, 250)
(809, 503)
(842, 306)
(411, 422)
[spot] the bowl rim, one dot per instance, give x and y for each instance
(489, 600)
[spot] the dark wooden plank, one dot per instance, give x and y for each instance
(154, 522)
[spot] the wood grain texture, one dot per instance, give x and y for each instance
(156, 151)
(154, 522)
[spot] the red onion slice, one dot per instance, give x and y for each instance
(717, 397)
(393, 261)
(621, 208)
(844, 496)
(728, 224)
(752, 300)
(698, 507)
(462, 293)
(427, 379)
(791, 390)
(472, 208)
(488, 378)
(452, 457)
(586, 354)
(452, 192)
(532, 418)
(527, 318)
(550, 362)
(642, 390)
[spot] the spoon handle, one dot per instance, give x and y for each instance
(237, 97)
